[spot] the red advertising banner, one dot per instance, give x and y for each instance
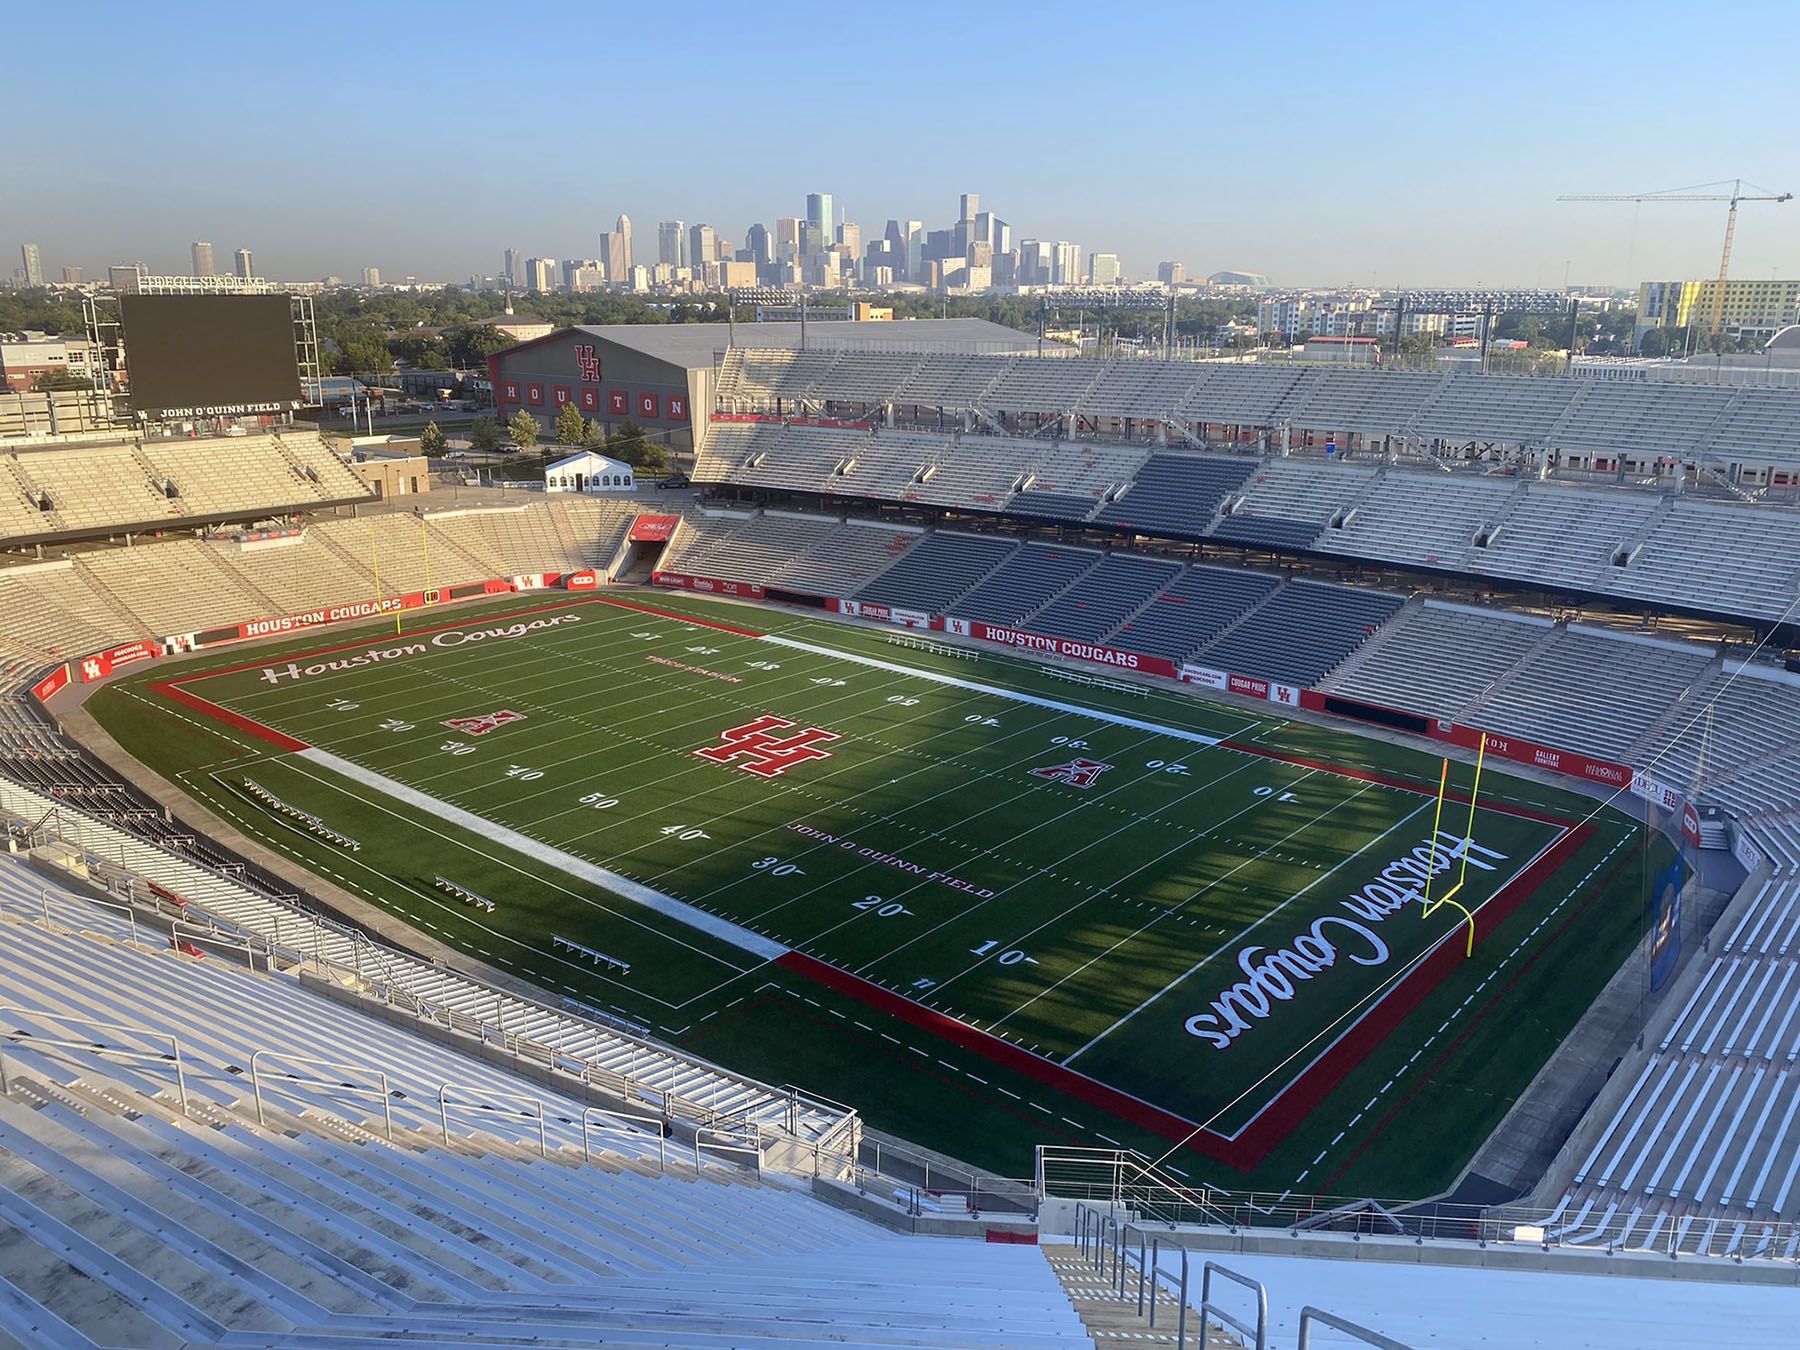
(1690, 824)
(580, 581)
(1054, 646)
(710, 585)
(1521, 751)
(653, 529)
(53, 683)
(101, 664)
(746, 417)
(1247, 685)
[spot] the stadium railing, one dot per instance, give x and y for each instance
(790, 1130)
(1125, 1181)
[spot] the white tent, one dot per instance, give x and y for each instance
(588, 472)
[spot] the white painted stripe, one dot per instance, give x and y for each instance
(1011, 695)
(614, 883)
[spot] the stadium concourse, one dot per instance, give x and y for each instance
(197, 1142)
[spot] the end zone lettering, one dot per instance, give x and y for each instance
(455, 637)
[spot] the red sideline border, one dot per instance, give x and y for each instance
(1272, 1125)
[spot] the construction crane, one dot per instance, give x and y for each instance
(1695, 194)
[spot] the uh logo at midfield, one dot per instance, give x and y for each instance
(755, 748)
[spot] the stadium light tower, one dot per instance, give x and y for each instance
(1485, 303)
(1108, 297)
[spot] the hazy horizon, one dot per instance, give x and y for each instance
(1408, 145)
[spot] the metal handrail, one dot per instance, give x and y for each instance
(1310, 1315)
(122, 1052)
(593, 1118)
(1210, 1310)
(476, 1102)
(700, 1144)
(256, 1085)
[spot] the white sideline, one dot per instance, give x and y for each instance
(624, 887)
(1118, 719)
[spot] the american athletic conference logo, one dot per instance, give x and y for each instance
(755, 748)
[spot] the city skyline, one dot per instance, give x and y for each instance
(1420, 186)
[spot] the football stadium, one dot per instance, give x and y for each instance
(1024, 851)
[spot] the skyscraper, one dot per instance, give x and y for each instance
(71, 276)
(703, 246)
(1103, 269)
(244, 268)
(787, 238)
(371, 276)
(511, 275)
(616, 254)
(34, 264)
(820, 214)
(671, 243)
(1068, 263)
(760, 245)
(203, 259)
(968, 206)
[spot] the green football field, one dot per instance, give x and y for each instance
(989, 904)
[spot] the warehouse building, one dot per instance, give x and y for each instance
(660, 376)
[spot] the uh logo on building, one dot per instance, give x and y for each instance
(756, 748)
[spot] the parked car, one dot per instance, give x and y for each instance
(674, 480)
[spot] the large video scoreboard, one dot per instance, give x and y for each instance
(203, 355)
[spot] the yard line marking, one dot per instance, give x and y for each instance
(623, 887)
(1011, 696)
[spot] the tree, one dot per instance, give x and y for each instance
(420, 352)
(483, 436)
(524, 429)
(570, 425)
(628, 443)
(468, 348)
(431, 440)
(50, 381)
(592, 438)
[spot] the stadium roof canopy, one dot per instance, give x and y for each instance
(694, 344)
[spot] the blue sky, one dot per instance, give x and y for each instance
(1354, 142)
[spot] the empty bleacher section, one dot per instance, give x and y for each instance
(1286, 503)
(108, 487)
(1489, 409)
(1241, 395)
(53, 610)
(1140, 389)
(756, 549)
(1350, 401)
(884, 468)
(1710, 557)
(149, 1211)
(1073, 477)
(1192, 610)
(756, 377)
(980, 472)
(1047, 387)
(1431, 520)
(1027, 580)
(1576, 690)
(1104, 598)
(1176, 494)
(183, 585)
(1758, 426)
(940, 381)
(1563, 536)
(797, 458)
(1301, 633)
(1665, 419)
(844, 560)
(1440, 659)
(1701, 1153)
(943, 566)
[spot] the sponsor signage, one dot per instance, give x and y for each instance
(1690, 824)
(1049, 646)
(653, 529)
(708, 585)
(581, 581)
(1654, 790)
(53, 683)
(1519, 751)
(1248, 685)
(1205, 675)
(1749, 857)
(101, 664)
